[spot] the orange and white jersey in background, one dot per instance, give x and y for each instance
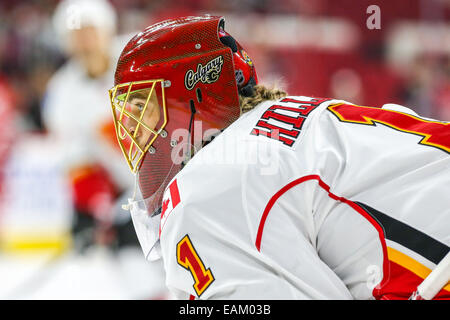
(309, 198)
(76, 110)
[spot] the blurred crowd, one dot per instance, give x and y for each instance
(53, 84)
(29, 52)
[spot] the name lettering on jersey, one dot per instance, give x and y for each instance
(188, 258)
(434, 133)
(284, 121)
(171, 199)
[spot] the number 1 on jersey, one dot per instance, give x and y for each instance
(188, 258)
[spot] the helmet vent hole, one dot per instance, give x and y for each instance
(199, 95)
(229, 42)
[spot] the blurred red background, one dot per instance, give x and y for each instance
(321, 48)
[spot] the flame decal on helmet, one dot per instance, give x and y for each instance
(209, 73)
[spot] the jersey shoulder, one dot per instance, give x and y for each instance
(256, 145)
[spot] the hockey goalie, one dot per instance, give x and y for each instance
(247, 192)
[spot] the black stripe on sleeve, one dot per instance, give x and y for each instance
(408, 236)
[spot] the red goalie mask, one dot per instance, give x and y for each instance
(170, 77)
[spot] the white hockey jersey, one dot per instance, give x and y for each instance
(309, 198)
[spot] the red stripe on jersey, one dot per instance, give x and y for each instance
(324, 186)
(398, 281)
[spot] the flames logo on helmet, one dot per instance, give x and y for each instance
(209, 73)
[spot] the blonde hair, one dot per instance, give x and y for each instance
(261, 93)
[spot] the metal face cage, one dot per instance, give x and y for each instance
(140, 116)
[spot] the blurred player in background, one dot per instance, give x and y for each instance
(75, 113)
(8, 129)
(295, 197)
